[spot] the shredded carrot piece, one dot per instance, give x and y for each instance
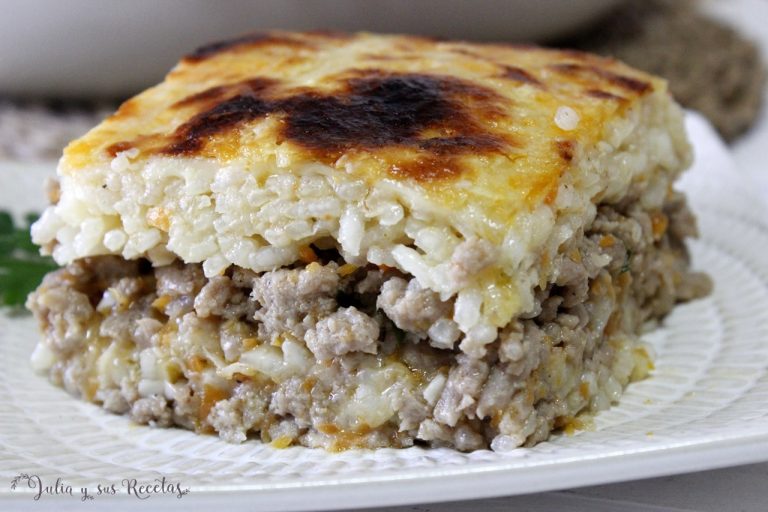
(347, 269)
(607, 241)
(196, 363)
(659, 224)
(281, 442)
(210, 396)
(307, 255)
(160, 302)
(249, 343)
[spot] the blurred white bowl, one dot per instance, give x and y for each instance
(100, 48)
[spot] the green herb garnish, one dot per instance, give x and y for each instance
(21, 266)
(627, 262)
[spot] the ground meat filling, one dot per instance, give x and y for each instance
(346, 330)
(412, 308)
(289, 354)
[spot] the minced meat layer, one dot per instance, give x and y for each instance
(574, 352)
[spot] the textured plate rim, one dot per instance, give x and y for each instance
(452, 484)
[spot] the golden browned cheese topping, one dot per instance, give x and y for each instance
(374, 110)
(407, 108)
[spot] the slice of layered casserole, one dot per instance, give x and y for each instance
(342, 241)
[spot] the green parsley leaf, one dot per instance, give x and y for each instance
(21, 266)
(627, 262)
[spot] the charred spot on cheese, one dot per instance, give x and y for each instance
(465, 144)
(519, 75)
(251, 86)
(395, 110)
(141, 141)
(509, 72)
(118, 147)
(247, 40)
(437, 114)
(191, 136)
(211, 94)
(604, 95)
(622, 81)
(506, 71)
(566, 149)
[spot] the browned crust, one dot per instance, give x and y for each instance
(604, 95)
(370, 110)
(520, 75)
(622, 81)
(566, 149)
(399, 106)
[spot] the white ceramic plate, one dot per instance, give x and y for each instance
(705, 406)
